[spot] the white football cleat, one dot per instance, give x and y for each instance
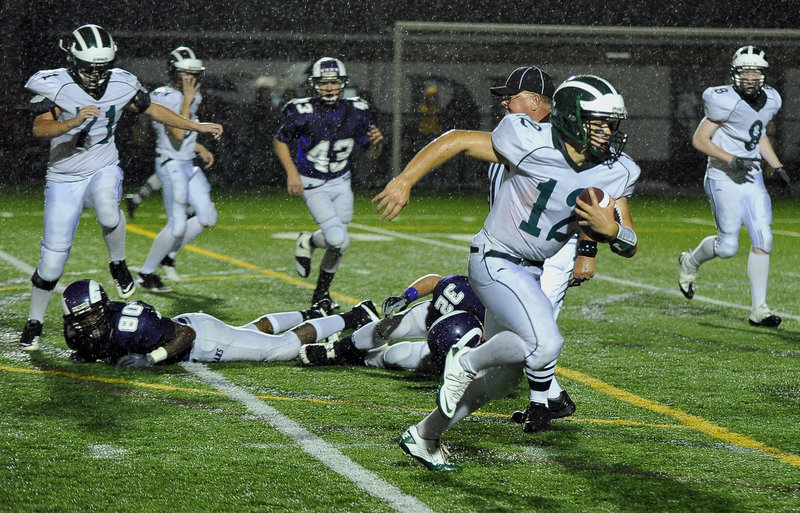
(455, 380)
(430, 453)
(302, 254)
(763, 316)
(687, 274)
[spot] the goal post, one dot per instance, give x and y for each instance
(660, 71)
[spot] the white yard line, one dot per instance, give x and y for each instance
(310, 443)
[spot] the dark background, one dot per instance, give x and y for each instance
(295, 30)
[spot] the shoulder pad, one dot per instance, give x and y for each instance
(126, 77)
(719, 101)
(40, 104)
(48, 82)
(517, 135)
(358, 103)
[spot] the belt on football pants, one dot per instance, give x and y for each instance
(511, 258)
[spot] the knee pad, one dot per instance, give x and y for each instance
(177, 227)
(764, 242)
(51, 266)
(39, 283)
(335, 236)
(727, 246)
(208, 218)
(154, 182)
(108, 213)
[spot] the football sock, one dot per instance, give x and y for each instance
(505, 348)
(161, 246)
(758, 273)
(704, 251)
(39, 300)
(115, 239)
(539, 383)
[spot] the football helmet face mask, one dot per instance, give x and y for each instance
(86, 318)
(90, 52)
(587, 111)
(328, 78)
(749, 68)
(184, 60)
(456, 328)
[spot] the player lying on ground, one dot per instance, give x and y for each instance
(136, 335)
(451, 317)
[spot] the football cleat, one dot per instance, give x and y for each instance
(324, 296)
(29, 340)
(339, 352)
(430, 453)
(537, 418)
(365, 314)
(130, 205)
(123, 280)
(302, 254)
(152, 283)
(168, 266)
(687, 274)
(321, 308)
(763, 316)
(455, 380)
(560, 407)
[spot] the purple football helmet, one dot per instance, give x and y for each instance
(456, 328)
(86, 320)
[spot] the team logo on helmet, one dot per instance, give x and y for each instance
(90, 52)
(328, 70)
(582, 99)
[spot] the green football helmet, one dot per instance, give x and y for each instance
(582, 98)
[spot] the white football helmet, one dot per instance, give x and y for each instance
(183, 60)
(582, 98)
(328, 70)
(90, 52)
(748, 58)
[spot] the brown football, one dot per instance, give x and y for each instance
(602, 200)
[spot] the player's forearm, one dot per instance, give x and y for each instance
(182, 341)
(426, 284)
(768, 152)
(374, 150)
(49, 128)
(285, 157)
(162, 114)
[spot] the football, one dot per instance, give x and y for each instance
(603, 201)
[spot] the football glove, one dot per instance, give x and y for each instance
(740, 169)
(394, 304)
(787, 182)
(136, 360)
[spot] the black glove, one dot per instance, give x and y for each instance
(393, 304)
(786, 181)
(136, 360)
(740, 169)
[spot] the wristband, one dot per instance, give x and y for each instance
(587, 248)
(158, 355)
(624, 241)
(411, 293)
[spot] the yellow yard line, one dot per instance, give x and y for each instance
(692, 421)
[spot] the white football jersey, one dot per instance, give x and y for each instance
(532, 214)
(742, 125)
(166, 145)
(90, 146)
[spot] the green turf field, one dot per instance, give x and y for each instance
(682, 406)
